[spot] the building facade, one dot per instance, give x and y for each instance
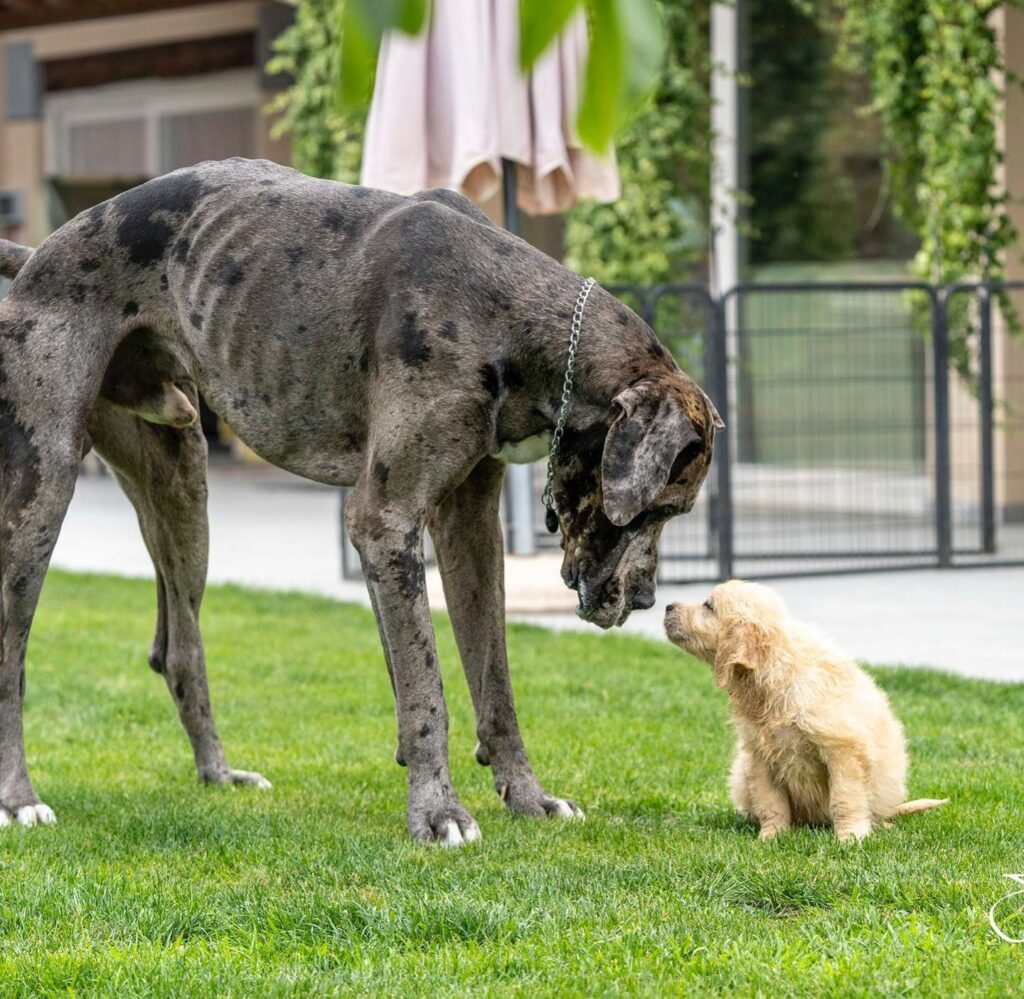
(100, 95)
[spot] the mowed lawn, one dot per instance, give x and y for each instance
(153, 885)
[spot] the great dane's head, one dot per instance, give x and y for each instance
(619, 479)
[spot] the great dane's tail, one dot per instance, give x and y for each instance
(13, 256)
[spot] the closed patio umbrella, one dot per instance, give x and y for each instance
(452, 109)
(451, 103)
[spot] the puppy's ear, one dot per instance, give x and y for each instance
(648, 434)
(745, 645)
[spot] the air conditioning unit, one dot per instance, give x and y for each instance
(11, 209)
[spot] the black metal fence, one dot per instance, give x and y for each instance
(857, 438)
(853, 441)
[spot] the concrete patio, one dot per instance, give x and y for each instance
(270, 529)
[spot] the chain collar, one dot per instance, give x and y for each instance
(548, 496)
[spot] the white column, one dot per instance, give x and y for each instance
(726, 175)
(727, 179)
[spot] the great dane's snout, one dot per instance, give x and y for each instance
(642, 599)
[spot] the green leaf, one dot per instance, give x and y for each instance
(383, 15)
(627, 45)
(363, 24)
(412, 15)
(360, 41)
(645, 55)
(540, 23)
(601, 106)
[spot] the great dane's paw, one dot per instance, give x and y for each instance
(28, 815)
(530, 799)
(247, 778)
(446, 823)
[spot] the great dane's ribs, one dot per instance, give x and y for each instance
(358, 338)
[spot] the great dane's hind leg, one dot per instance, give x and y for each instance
(162, 469)
(37, 470)
(467, 537)
(390, 545)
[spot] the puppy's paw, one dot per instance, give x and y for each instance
(770, 832)
(854, 832)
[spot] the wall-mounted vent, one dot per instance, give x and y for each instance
(11, 209)
(23, 93)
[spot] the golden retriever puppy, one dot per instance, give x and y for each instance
(817, 742)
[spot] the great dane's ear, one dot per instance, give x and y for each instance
(642, 445)
(716, 420)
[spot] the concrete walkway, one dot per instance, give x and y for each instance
(270, 529)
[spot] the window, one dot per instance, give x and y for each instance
(206, 135)
(106, 149)
(148, 127)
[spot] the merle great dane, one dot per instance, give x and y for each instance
(403, 345)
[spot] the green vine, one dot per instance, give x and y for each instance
(326, 142)
(934, 67)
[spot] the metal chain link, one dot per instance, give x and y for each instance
(548, 495)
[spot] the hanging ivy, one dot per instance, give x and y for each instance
(935, 67)
(326, 142)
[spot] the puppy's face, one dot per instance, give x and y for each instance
(735, 629)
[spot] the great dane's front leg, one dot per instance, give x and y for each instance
(467, 536)
(390, 546)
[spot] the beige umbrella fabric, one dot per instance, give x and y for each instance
(451, 103)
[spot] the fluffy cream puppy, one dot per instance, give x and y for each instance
(818, 742)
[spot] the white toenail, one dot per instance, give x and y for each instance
(452, 836)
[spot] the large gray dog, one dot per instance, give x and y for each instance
(402, 345)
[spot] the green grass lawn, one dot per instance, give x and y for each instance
(153, 885)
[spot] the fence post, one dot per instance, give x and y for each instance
(988, 498)
(519, 496)
(718, 382)
(943, 496)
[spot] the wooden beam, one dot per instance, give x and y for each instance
(172, 59)
(38, 13)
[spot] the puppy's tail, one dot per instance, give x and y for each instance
(920, 805)
(13, 256)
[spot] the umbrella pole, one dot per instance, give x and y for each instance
(519, 480)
